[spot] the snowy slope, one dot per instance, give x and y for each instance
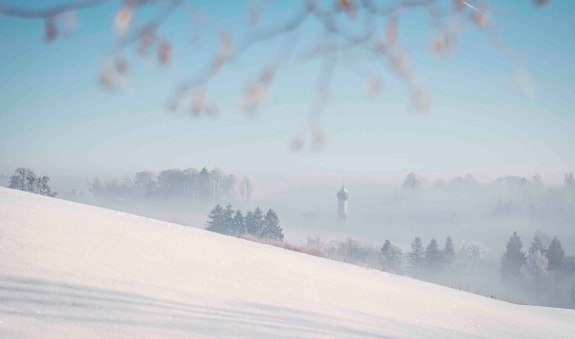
(71, 270)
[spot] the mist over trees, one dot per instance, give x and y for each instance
(433, 256)
(555, 254)
(188, 184)
(448, 253)
(517, 277)
(496, 206)
(533, 267)
(569, 180)
(537, 246)
(413, 182)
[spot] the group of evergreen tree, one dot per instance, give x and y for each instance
(431, 258)
(25, 179)
(543, 266)
(254, 223)
(534, 265)
(189, 183)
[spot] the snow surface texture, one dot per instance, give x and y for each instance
(71, 270)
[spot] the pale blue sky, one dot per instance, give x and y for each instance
(54, 117)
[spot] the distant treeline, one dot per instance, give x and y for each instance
(544, 272)
(414, 182)
(502, 198)
(214, 185)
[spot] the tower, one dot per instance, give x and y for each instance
(342, 196)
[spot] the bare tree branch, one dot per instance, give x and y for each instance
(43, 13)
(369, 27)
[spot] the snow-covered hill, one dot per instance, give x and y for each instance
(71, 270)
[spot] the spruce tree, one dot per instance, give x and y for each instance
(390, 257)
(432, 256)
(238, 224)
(215, 221)
(448, 254)
(250, 223)
(513, 258)
(258, 222)
(415, 256)
(227, 219)
(555, 254)
(537, 246)
(271, 229)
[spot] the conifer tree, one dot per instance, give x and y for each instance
(537, 246)
(215, 221)
(270, 227)
(250, 223)
(415, 256)
(432, 256)
(238, 224)
(555, 254)
(258, 221)
(513, 258)
(390, 257)
(448, 253)
(227, 219)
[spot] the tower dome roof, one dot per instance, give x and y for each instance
(342, 194)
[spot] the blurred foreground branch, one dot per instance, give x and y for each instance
(352, 33)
